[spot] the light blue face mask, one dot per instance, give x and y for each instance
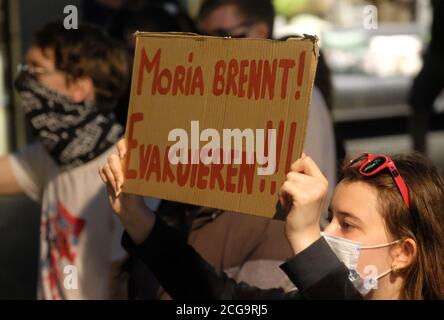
(348, 252)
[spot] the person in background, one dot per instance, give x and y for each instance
(69, 86)
(429, 83)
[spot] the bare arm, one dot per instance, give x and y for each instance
(8, 182)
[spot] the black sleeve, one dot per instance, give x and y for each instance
(184, 274)
(319, 274)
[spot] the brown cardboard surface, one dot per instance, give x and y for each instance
(224, 84)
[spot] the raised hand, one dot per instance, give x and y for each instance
(304, 194)
(131, 209)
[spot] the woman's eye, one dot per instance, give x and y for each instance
(346, 226)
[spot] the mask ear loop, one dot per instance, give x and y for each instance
(381, 245)
(384, 274)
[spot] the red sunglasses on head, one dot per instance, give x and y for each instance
(369, 165)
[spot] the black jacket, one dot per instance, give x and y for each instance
(185, 275)
(437, 42)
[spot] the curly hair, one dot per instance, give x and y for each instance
(88, 52)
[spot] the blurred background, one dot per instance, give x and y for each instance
(373, 60)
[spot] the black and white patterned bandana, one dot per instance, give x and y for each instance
(72, 133)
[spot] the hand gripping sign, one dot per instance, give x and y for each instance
(217, 122)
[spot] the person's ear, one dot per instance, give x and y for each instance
(82, 89)
(403, 254)
(259, 30)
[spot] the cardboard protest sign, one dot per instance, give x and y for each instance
(217, 122)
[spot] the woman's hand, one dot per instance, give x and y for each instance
(304, 194)
(131, 209)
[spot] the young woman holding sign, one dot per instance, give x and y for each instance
(385, 239)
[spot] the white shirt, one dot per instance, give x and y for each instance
(79, 234)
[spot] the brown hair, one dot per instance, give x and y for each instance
(88, 52)
(423, 222)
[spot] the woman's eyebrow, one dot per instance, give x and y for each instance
(344, 214)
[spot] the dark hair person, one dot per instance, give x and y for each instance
(387, 221)
(87, 52)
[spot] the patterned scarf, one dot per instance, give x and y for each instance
(72, 133)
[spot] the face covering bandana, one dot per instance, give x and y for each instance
(72, 133)
(348, 252)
